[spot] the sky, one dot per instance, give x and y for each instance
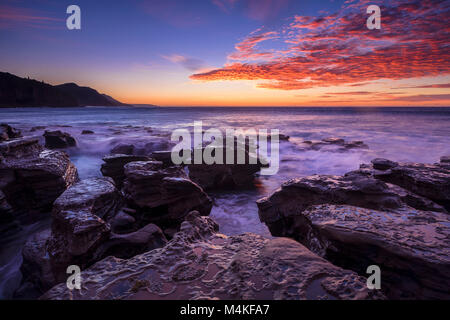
(236, 52)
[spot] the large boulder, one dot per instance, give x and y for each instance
(199, 263)
(163, 195)
(79, 223)
(7, 132)
(227, 176)
(357, 220)
(31, 178)
(58, 140)
(127, 149)
(113, 166)
(223, 176)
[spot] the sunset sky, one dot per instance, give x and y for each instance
(236, 52)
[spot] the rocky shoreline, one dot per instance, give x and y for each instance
(143, 232)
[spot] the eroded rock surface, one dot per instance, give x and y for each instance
(412, 247)
(199, 263)
(358, 219)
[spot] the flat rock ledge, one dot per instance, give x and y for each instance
(359, 219)
(199, 263)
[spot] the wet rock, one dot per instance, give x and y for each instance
(127, 149)
(128, 245)
(281, 137)
(338, 141)
(98, 196)
(159, 144)
(383, 164)
(114, 166)
(20, 148)
(332, 144)
(37, 128)
(31, 178)
(355, 145)
(227, 176)
(223, 176)
(58, 140)
(445, 159)
(36, 266)
(87, 132)
(122, 222)
(79, 224)
(431, 181)
(199, 263)
(164, 156)
(163, 195)
(8, 133)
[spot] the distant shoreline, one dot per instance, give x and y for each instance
(234, 107)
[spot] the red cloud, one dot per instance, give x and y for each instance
(338, 49)
(246, 50)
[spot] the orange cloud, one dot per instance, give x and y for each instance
(246, 50)
(338, 49)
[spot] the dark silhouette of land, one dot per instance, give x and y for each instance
(22, 92)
